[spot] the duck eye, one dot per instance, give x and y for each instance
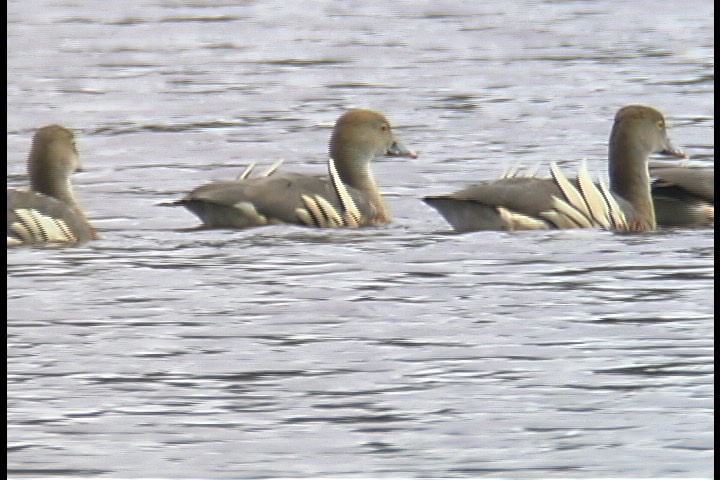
(383, 127)
(661, 125)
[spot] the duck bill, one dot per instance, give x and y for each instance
(671, 150)
(397, 149)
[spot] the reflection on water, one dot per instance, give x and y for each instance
(404, 350)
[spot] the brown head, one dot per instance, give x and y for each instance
(644, 129)
(358, 137)
(53, 158)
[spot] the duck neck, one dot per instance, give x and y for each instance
(630, 179)
(357, 174)
(51, 178)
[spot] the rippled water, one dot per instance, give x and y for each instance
(407, 350)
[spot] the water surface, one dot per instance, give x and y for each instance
(401, 351)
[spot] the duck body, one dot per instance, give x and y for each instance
(517, 203)
(476, 207)
(48, 213)
(34, 218)
(358, 137)
(481, 206)
(520, 203)
(683, 196)
(270, 200)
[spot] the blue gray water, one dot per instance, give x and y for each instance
(401, 351)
